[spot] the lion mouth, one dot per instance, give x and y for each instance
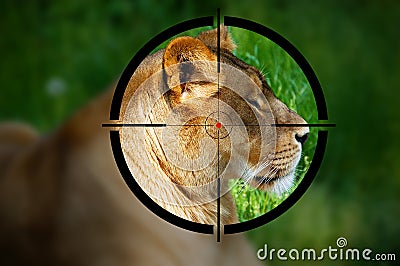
(279, 183)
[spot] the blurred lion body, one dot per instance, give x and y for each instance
(63, 202)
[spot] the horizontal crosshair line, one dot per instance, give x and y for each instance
(151, 125)
(134, 125)
(303, 125)
(204, 125)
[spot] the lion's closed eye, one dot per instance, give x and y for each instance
(255, 103)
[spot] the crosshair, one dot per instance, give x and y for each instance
(218, 125)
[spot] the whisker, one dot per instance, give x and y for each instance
(268, 176)
(251, 172)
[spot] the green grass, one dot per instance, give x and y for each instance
(291, 86)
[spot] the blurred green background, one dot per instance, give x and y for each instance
(55, 56)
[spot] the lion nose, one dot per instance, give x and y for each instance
(301, 138)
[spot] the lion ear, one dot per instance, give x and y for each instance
(186, 49)
(210, 38)
(187, 59)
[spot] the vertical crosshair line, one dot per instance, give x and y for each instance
(218, 178)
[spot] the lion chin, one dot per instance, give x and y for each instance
(277, 184)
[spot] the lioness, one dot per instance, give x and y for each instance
(183, 89)
(63, 201)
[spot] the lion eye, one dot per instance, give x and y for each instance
(254, 103)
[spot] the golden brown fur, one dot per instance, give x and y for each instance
(63, 201)
(183, 58)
